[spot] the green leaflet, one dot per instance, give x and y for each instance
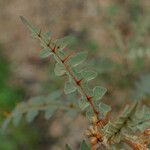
(103, 108)
(88, 74)
(77, 59)
(69, 87)
(38, 100)
(142, 87)
(84, 146)
(59, 69)
(53, 96)
(75, 73)
(5, 123)
(16, 117)
(99, 92)
(67, 147)
(47, 35)
(61, 54)
(64, 42)
(141, 112)
(22, 106)
(83, 103)
(45, 53)
(89, 113)
(49, 112)
(31, 114)
(17, 113)
(72, 113)
(146, 113)
(46, 38)
(141, 127)
(86, 88)
(31, 28)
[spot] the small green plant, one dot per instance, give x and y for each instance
(130, 127)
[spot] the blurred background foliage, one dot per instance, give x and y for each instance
(115, 33)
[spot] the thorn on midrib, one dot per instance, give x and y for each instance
(39, 34)
(89, 98)
(48, 44)
(78, 82)
(54, 48)
(66, 58)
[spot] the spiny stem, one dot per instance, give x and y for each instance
(67, 68)
(67, 57)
